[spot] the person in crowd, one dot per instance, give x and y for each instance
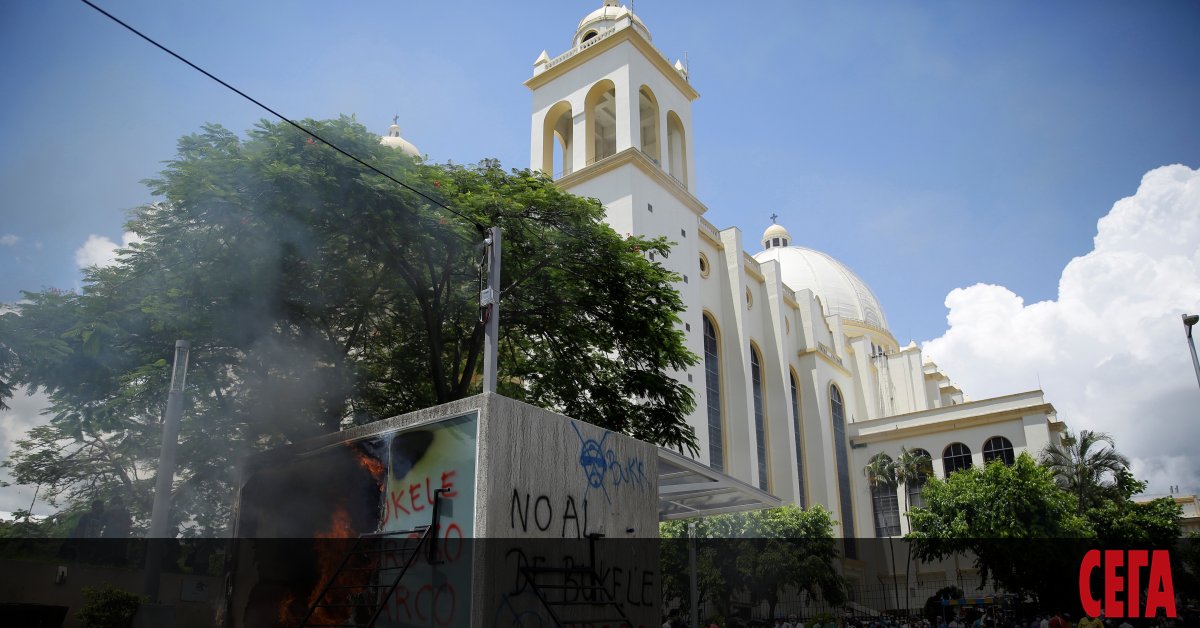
(91, 524)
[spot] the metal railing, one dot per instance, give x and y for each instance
(608, 32)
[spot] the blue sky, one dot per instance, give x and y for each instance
(928, 145)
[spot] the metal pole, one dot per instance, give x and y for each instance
(160, 517)
(490, 301)
(1188, 322)
(693, 586)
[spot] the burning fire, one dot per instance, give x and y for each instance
(372, 465)
(331, 549)
(285, 609)
(339, 525)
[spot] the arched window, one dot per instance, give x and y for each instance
(884, 503)
(913, 484)
(837, 411)
(760, 424)
(712, 387)
(799, 438)
(556, 140)
(601, 107)
(956, 456)
(648, 113)
(998, 448)
(677, 148)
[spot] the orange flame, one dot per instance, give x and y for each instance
(285, 609)
(330, 554)
(372, 465)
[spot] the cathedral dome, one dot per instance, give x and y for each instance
(604, 18)
(394, 140)
(841, 291)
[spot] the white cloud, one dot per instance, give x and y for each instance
(1110, 352)
(24, 413)
(101, 251)
(9, 239)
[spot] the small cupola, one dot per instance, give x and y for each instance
(394, 140)
(776, 235)
(604, 20)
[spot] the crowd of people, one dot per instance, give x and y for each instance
(961, 618)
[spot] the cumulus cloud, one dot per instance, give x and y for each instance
(9, 239)
(1110, 351)
(24, 413)
(101, 251)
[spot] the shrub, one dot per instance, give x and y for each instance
(109, 607)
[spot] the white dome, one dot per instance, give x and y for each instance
(841, 291)
(394, 140)
(606, 17)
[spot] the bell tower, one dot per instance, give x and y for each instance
(612, 120)
(609, 103)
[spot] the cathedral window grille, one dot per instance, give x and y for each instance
(887, 510)
(842, 455)
(712, 387)
(956, 456)
(799, 439)
(760, 427)
(913, 486)
(998, 448)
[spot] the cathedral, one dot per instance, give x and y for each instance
(801, 382)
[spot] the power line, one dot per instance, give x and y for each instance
(479, 226)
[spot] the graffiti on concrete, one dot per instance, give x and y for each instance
(603, 468)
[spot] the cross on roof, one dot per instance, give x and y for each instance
(773, 217)
(396, 119)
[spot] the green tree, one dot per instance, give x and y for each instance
(317, 294)
(759, 553)
(1085, 467)
(1091, 469)
(913, 469)
(882, 476)
(1121, 522)
(1011, 518)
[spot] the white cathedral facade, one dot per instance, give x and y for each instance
(801, 383)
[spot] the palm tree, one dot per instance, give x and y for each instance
(1084, 467)
(913, 468)
(881, 476)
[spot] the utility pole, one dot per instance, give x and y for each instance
(489, 302)
(1190, 320)
(693, 589)
(160, 517)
